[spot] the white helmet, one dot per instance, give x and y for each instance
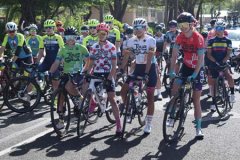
(139, 21)
(33, 26)
(11, 26)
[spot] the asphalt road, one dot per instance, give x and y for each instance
(31, 137)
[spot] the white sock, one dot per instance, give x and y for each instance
(149, 119)
(158, 91)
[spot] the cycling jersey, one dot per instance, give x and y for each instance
(170, 37)
(35, 43)
(52, 44)
(141, 47)
(89, 41)
(219, 47)
(114, 35)
(17, 41)
(159, 42)
(73, 58)
(103, 56)
(191, 47)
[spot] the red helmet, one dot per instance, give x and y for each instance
(103, 27)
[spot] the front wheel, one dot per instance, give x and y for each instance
(109, 113)
(142, 109)
(22, 94)
(60, 112)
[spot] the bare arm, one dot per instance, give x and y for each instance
(40, 55)
(54, 66)
(149, 60)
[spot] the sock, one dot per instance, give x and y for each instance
(210, 90)
(232, 90)
(158, 91)
(198, 123)
(149, 119)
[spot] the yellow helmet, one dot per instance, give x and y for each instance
(108, 18)
(49, 23)
(93, 22)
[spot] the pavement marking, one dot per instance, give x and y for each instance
(45, 121)
(31, 139)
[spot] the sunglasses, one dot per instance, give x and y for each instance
(108, 22)
(183, 25)
(139, 27)
(32, 30)
(102, 33)
(172, 26)
(48, 27)
(11, 31)
(92, 27)
(158, 30)
(219, 28)
(70, 37)
(84, 30)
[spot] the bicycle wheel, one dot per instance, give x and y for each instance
(127, 113)
(220, 97)
(22, 94)
(87, 114)
(109, 113)
(230, 105)
(47, 92)
(172, 123)
(142, 109)
(166, 80)
(60, 117)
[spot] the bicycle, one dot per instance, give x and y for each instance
(136, 102)
(176, 111)
(61, 97)
(23, 93)
(89, 114)
(222, 92)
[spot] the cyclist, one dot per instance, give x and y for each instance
(60, 29)
(52, 43)
(35, 41)
(212, 33)
(219, 50)
(143, 47)
(114, 34)
(104, 59)
(92, 37)
(192, 44)
(159, 37)
(17, 44)
(72, 56)
(84, 33)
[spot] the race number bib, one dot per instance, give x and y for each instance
(141, 59)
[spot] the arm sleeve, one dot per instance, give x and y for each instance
(114, 53)
(152, 45)
(5, 40)
(41, 45)
(92, 53)
(118, 37)
(200, 46)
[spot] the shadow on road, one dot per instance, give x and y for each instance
(171, 151)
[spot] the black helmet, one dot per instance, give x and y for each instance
(70, 31)
(185, 17)
(84, 28)
(125, 26)
(172, 23)
(158, 27)
(204, 34)
(129, 30)
(213, 21)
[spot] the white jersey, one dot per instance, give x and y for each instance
(79, 39)
(141, 47)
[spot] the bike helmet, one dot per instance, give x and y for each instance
(108, 18)
(185, 17)
(139, 21)
(34, 26)
(84, 28)
(158, 27)
(49, 23)
(125, 26)
(129, 30)
(204, 34)
(93, 22)
(103, 27)
(172, 23)
(70, 31)
(11, 26)
(220, 23)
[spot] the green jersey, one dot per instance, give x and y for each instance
(73, 58)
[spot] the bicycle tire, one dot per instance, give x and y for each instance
(171, 111)
(142, 110)
(15, 91)
(56, 97)
(109, 113)
(220, 97)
